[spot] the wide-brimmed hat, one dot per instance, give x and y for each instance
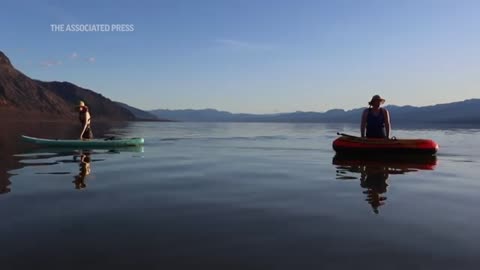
(81, 104)
(375, 98)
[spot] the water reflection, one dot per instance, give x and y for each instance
(13, 151)
(5, 184)
(62, 161)
(84, 170)
(374, 171)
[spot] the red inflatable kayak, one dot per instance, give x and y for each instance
(351, 144)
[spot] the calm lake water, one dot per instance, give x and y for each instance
(237, 196)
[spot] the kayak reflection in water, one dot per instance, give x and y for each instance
(374, 172)
(84, 171)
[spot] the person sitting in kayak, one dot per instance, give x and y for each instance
(375, 120)
(84, 116)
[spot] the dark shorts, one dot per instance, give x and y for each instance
(88, 134)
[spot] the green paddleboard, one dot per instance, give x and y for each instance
(108, 142)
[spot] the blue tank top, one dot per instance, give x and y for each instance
(376, 124)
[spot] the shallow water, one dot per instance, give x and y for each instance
(241, 196)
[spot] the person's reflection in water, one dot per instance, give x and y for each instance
(84, 170)
(4, 184)
(374, 172)
(374, 180)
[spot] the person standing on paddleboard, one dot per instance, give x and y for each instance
(85, 118)
(375, 120)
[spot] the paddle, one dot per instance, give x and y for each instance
(351, 136)
(347, 135)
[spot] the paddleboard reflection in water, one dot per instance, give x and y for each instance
(374, 171)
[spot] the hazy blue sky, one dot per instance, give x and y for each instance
(258, 56)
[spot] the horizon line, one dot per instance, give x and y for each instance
(299, 111)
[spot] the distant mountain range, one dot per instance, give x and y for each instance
(463, 112)
(141, 115)
(24, 98)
